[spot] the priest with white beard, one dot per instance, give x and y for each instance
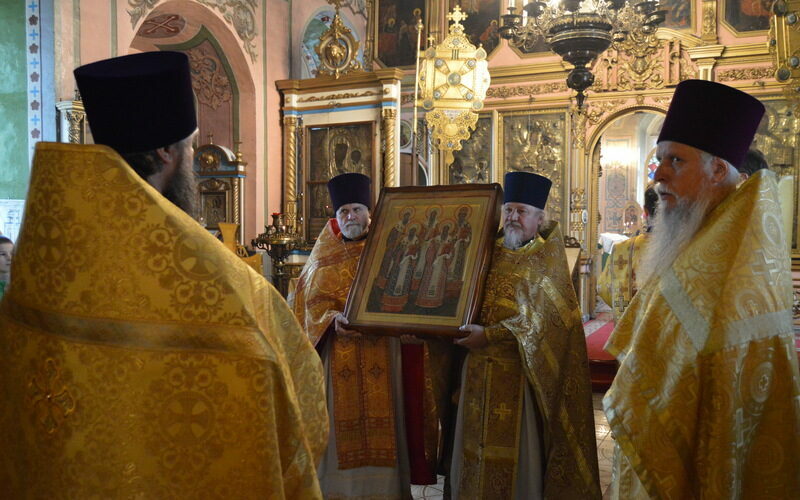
(705, 403)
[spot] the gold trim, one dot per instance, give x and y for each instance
(332, 97)
(350, 81)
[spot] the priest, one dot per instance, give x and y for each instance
(705, 403)
(619, 281)
(525, 426)
(140, 357)
(367, 455)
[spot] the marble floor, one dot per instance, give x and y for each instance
(605, 453)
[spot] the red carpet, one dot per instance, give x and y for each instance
(596, 341)
(602, 365)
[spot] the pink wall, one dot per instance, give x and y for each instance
(104, 29)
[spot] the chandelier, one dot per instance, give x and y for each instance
(579, 31)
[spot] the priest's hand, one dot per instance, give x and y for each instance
(340, 324)
(475, 337)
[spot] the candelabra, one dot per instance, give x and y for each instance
(579, 31)
(278, 240)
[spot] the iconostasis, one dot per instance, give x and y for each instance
(599, 156)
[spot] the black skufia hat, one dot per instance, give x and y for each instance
(350, 188)
(138, 102)
(526, 187)
(714, 118)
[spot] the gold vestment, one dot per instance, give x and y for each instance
(706, 403)
(535, 335)
(364, 426)
(617, 284)
(141, 358)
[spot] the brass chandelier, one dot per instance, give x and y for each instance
(579, 31)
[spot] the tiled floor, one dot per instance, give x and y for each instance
(605, 453)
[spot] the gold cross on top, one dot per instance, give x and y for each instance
(456, 16)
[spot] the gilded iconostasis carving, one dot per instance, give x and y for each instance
(529, 120)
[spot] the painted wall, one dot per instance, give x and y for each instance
(13, 101)
(90, 30)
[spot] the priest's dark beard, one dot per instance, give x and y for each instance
(673, 229)
(182, 188)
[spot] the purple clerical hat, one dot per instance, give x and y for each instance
(138, 102)
(714, 118)
(525, 187)
(350, 188)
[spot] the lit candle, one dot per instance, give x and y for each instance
(511, 3)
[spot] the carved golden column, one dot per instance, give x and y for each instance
(388, 124)
(290, 169)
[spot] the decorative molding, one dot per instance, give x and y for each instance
(209, 81)
(344, 95)
(745, 74)
(591, 115)
(238, 13)
(709, 24)
(163, 26)
(643, 62)
(337, 49)
(212, 185)
(526, 90)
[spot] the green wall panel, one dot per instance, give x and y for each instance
(13, 101)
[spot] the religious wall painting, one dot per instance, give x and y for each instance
(536, 141)
(317, 25)
(426, 257)
(396, 32)
(473, 163)
(331, 151)
(679, 14)
(481, 25)
(747, 15)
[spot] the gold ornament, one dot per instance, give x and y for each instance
(337, 49)
(453, 82)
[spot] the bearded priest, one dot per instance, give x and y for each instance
(367, 455)
(525, 426)
(705, 403)
(140, 357)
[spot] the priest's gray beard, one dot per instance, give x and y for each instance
(353, 230)
(673, 229)
(512, 236)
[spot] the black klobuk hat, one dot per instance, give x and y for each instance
(138, 102)
(714, 118)
(350, 188)
(526, 187)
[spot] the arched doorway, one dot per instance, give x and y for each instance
(222, 80)
(621, 163)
